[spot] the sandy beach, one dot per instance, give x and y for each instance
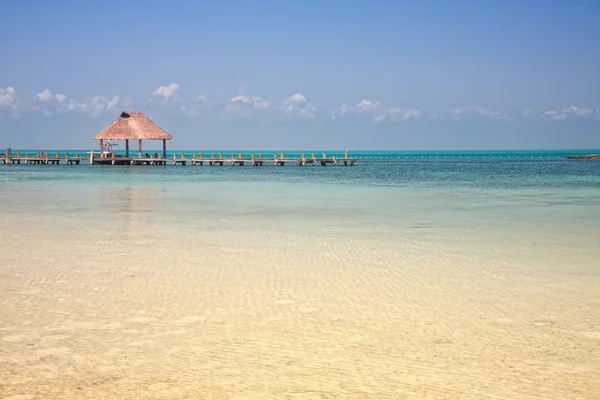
(333, 308)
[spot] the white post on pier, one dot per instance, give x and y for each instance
(7, 156)
(101, 148)
(139, 148)
(91, 156)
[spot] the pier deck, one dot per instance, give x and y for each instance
(183, 159)
(41, 160)
(347, 161)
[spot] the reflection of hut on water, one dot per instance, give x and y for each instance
(131, 125)
(128, 208)
(133, 200)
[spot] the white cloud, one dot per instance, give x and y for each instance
(367, 105)
(398, 114)
(364, 106)
(48, 102)
(555, 115)
(573, 111)
(112, 103)
(242, 106)
(403, 114)
(74, 105)
(167, 92)
(47, 96)
(95, 106)
(472, 111)
(467, 111)
(580, 112)
(251, 101)
(8, 98)
(298, 105)
(342, 110)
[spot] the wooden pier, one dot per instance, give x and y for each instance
(135, 125)
(193, 159)
(200, 159)
(42, 158)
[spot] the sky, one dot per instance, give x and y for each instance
(304, 74)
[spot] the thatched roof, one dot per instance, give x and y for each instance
(133, 125)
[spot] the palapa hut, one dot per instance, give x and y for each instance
(133, 125)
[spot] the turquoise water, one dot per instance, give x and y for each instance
(498, 170)
(439, 188)
(362, 154)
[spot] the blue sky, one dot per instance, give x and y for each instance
(304, 74)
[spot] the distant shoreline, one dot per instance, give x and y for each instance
(585, 156)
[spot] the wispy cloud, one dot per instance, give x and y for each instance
(9, 99)
(476, 111)
(374, 109)
(403, 114)
(50, 102)
(47, 102)
(298, 105)
(47, 96)
(250, 101)
(167, 92)
(397, 114)
(573, 111)
(95, 106)
(363, 106)
(339, 112)
(243, 106)
(367, 105)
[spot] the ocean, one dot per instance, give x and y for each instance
(415, 274)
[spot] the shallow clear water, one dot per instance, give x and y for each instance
(413, 274)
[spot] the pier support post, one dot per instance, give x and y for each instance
(7, 156)
(126, 147)
(91, 156)
(139, 148)
(164, 148)
(101, 148)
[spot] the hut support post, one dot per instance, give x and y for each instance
(101, 148)
(126, 147)
(164, 148)
(139, 148)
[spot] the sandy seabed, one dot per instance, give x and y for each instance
(313, 312)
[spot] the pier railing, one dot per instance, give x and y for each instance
(254, 159)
